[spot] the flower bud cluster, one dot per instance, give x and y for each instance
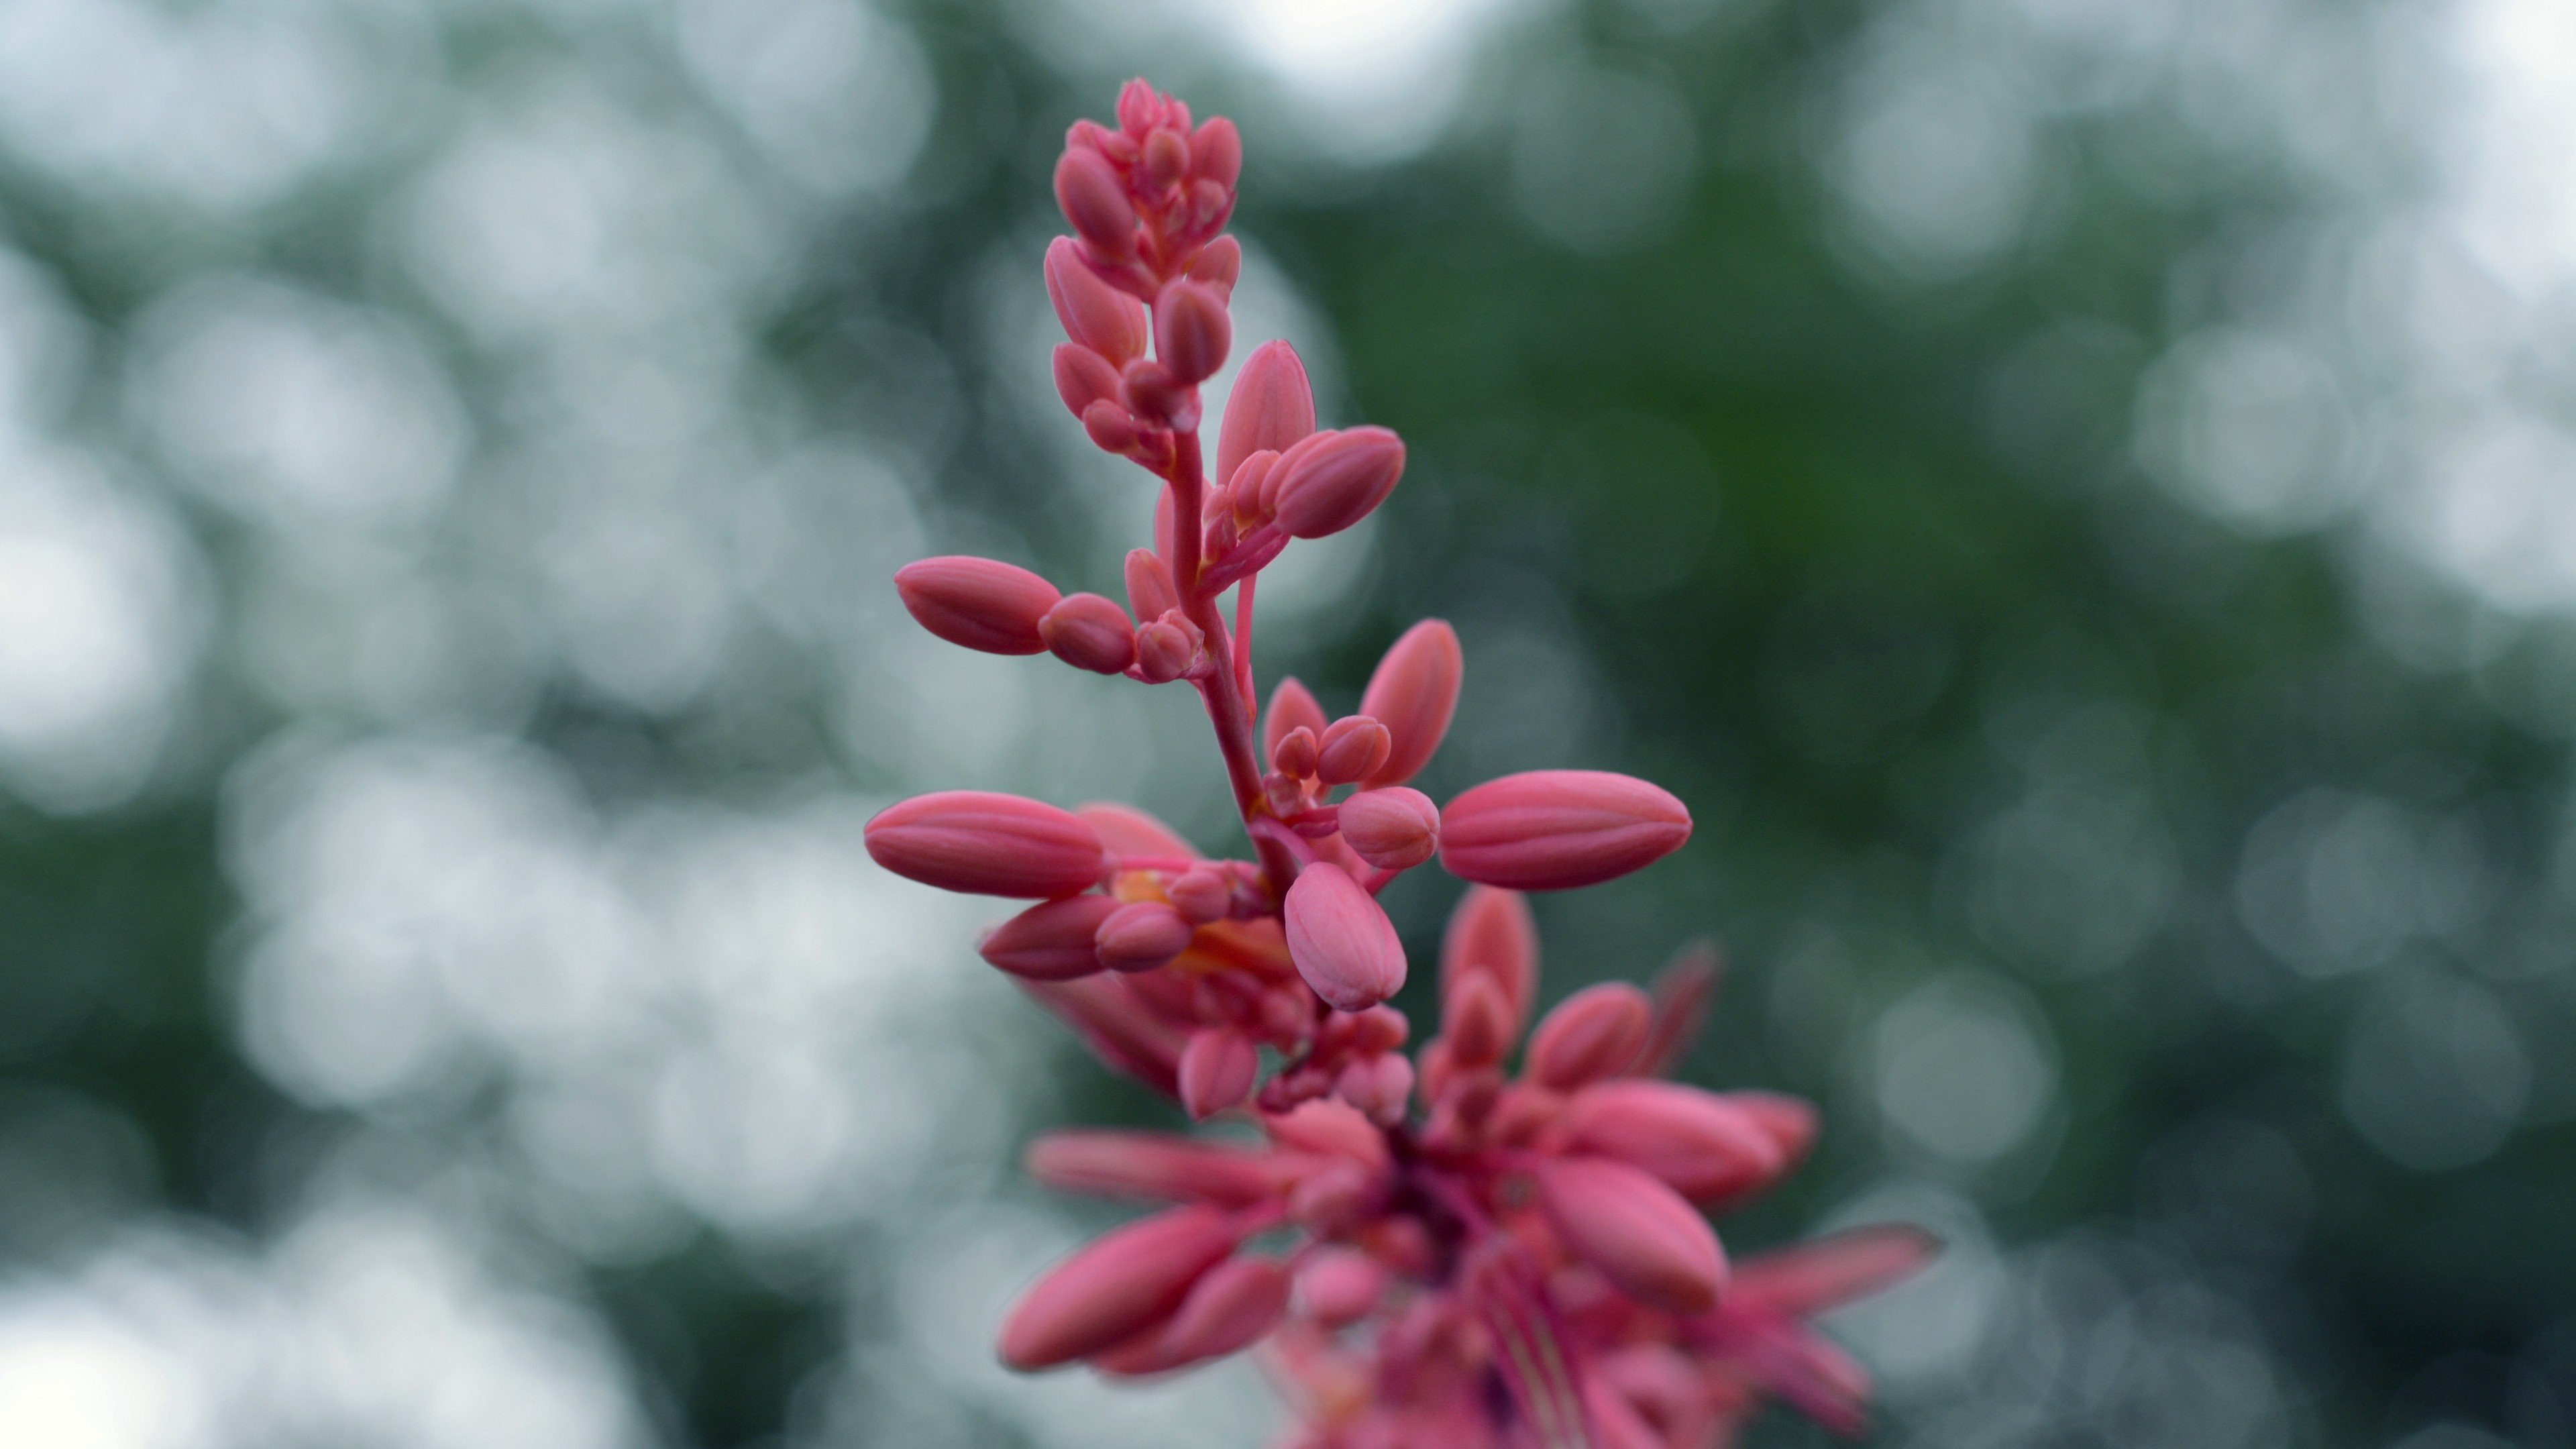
(1435, 1247)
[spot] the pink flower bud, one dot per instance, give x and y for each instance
(1218, 264)
(1700, 1144)
(1167, 157)
(1083, 377)
(1051, 941)
(1140, 108)
(1334, 1197)
(1339, 1286)
(1491, 932)
(1150, 592)
(1294, 755)
(1191, 331)
(1090, 632)
(1217, 150)
(1155, 1166)
(1521, 1113)
(1217, 1071)
(1203, 894)
(1141, 936)
(1476, 1021)
(1111, 428)
(1234, 1306)
(1094, 313)
(1209, 205)
(980, 603)
(1791, 1122)
(1166, 648)
(1292, 707)
(1332, 480)
(1272, 406)
(1557, 829)
(1377, 1086)
(1329, 1129)
(980, 843)
(1095, 202)
(1119, 1026)
(1592, 1034)
(1115, 1286)
(1355, 748)
(1126, 830)
(1824, 1273)
(1243, 492)
(1157, 397)
(1378, 1029)
(1638, 1232)
(1392, 829)
(1413, 693)
(1341, 940)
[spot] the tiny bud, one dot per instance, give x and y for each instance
(1243, 494)
(1167, 157)
(1158, 397)
(1111, 428)
(1115, 1287)
(1090, 632)
(1272, 406)
(1166, 648)
(1355, 748)
(1093, 199)
(1334, 1197)
(1052, 941)
(1558, 829)
(1201, 893)
(1083, 377)
(1141, 936)
(1340, 939)
(1491, 932)
(1413, 693)
(1294, 755)
(1150, 592)
(1520, 1112)
(1292, 706)
(979, 843)
(1330, 481)
(1218, 1067)
(1590, 1035)
(1476, 1021)
(1339, 1286)
(1392, 829)
(1209, 204)
(1094, 313)
(980, 603)
(1218, 539)
(1378, 1029)
(1698, 1143)
(1191, 331)
(1638, 1232)
(1218, 264)
(1377, 1086)
(1139, 108)
(1217, 149)
(1329, 1129)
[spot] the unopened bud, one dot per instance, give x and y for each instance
(1094, 313)
(1340, 939)
(1115, 1287)
(1090, 632)
(1558, 829)
(1150, 592)
(1272, 406)
(1339, 1286)
(1590, 1035)
(1158, 397)
(980, 603)
(1166, 648)
(1230, 1309)
(1126, 830)
(1700, 1144)
(1218, 264)
(1217, 1070)
(1201, 893)
(1167, 157)
(1292, 706)
(1637, 1231)
(1051, 941)
(1294, 755)
(1355, 748)
(1083, 377)
(1095, 202)
(1112, 428)
(1413, 693)
(980, 843)
(1217, 150)
(1243, 494)
(1332, 480)
(1141, 936)
(1392, 829)
(1377, 1086)
(1139, 108)
(1476, 1021)
(1191, 331)
(1491, 932)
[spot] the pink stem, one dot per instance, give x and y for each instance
(1243, 645)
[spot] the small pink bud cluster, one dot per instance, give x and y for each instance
(1473, 1256)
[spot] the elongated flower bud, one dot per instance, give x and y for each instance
(1378, 1086)
(1203, 894)
(1216, 151)
(1392, 829)
(1083, 377)
(1701, 1145)
(1236, 1304)
(1126, 830)
(1141, 936)
(1491, 932)
(1333, 480)
(1111, 428)
(1338, 1286)
(1218, 264)
(1294, 755)
(1552, 830)
(1355, 748)
(1590, 1035)
(1090, 632)
(1150, 592)
(1272, 406)
(1637, 1231)
(980, 603)
(1051, 941)
(1790, 1121)
(1413, 693)
(1341, 940)
(1157, 1167)
(1333, 1129)
(1823, 1273)
(1191, 331)
(1095, 314)
(1167, 156)
(1217, 1070)
(980, 843)
(1115, 1286)
(1476, 1021)
(1292, 707)
(1117, 1024)
(1095, 203)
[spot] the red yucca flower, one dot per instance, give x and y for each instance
(1428, 1250)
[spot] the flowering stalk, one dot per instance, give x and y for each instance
(1476, 1258)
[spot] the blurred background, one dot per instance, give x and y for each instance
(2079, 496)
